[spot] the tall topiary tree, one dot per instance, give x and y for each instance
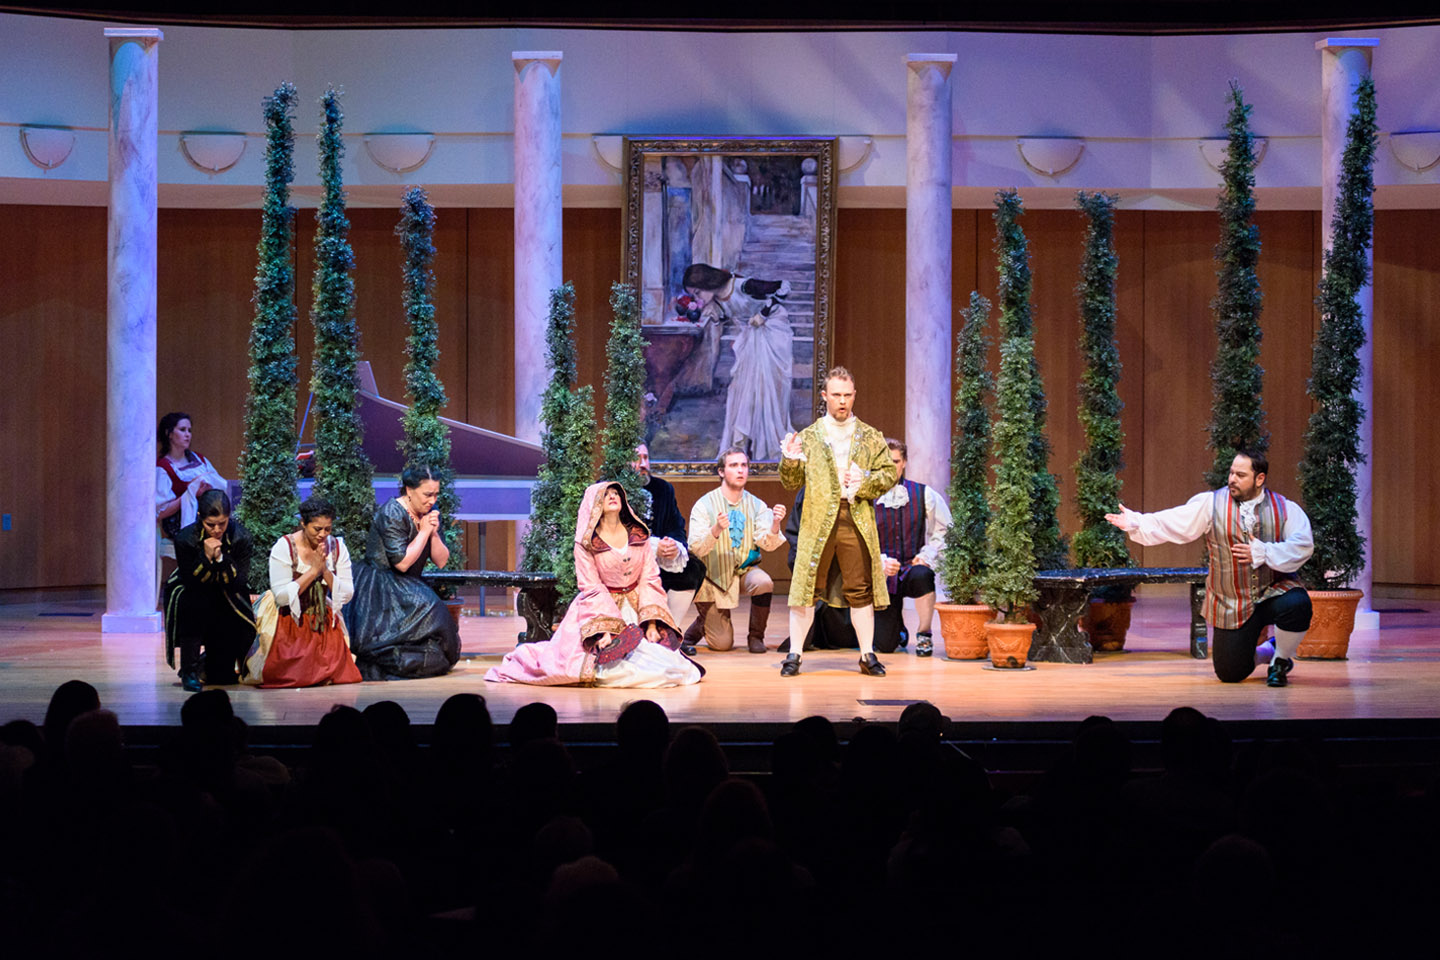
(1013, 257)
(268, 472)
(624, 397)
(1097, 472)
(1008, 583)
(1332, 439)
(1237, 416)
(568, 439)
(962, 561)
(427, 439)
(343, 474)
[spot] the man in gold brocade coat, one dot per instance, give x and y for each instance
(844, 465)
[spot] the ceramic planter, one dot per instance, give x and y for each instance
(962, 625)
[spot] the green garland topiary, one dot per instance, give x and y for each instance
(569, 443)
(1237, 416)
(268, 472)
(1097, 473)
(1332, 440)
(962, 560)
(1008, 583)
(427, 439)
(343, 474)
(1013, 256)
(624, 398)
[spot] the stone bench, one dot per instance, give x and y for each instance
(1065, 594)
(536, 602)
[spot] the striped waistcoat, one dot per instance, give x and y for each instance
(902, 530)
(1232, 588)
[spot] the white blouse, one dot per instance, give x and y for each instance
(283, 576)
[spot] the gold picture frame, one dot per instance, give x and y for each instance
(729, 244)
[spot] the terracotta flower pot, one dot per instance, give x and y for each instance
(455, 605)
(1009, 643)
(1107, 622)
(1331, 623)
(962, 625)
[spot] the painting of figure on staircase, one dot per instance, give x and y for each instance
(732, 269)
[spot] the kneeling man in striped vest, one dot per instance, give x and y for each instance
(728, 529)
(1256, 539)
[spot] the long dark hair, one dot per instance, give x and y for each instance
(167, 424)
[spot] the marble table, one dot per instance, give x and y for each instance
(1065, 594)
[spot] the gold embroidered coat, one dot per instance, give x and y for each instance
(817, 473)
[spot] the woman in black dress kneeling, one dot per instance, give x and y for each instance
(399, 628)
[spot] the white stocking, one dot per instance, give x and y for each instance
(800, 620)
(863, 620)
(1286, 641)
(679, 603)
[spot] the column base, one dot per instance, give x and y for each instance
(130, 623)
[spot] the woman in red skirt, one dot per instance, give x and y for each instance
(301, 639)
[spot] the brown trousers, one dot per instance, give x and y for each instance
(846, 550)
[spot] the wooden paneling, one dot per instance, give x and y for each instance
(52, 396)
(1406, 497)
(206, 279)
(53, 322)
(490, 315)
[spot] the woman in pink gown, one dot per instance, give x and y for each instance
(618, 631)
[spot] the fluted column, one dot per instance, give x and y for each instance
(1343, 62)
(130, 542)
(538, 264)
(927, 266)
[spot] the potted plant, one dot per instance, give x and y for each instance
(1332, 439)
(1097, 473)
(1008, 582)
(427, 439)
(1237, 412)
(270, 505)
(624, 398)
(962, 621)
(568, 439)
(343, 474)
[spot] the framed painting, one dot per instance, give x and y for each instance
(730, 247)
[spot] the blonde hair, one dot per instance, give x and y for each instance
(839, 373)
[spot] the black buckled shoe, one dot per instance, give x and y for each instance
(1277, 674)
(688, 649)
(790, 666)
(190, 681)
(870, 666)
(924, 645)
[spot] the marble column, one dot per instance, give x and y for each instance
(928, 346)
(1343, 62)
(130, 545)
(538, 265)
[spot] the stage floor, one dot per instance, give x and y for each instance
(1392, 673)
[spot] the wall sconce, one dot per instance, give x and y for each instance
(1418, 151)
(213, 153)
(610, 148)
(850, 152)
(1216, 149)
(47, 147)
(399, 152)
(1050, 156)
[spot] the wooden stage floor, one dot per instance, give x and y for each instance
(1392, 673)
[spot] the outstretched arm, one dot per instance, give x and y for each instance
(1181, 524)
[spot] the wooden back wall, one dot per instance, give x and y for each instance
(52, 369)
